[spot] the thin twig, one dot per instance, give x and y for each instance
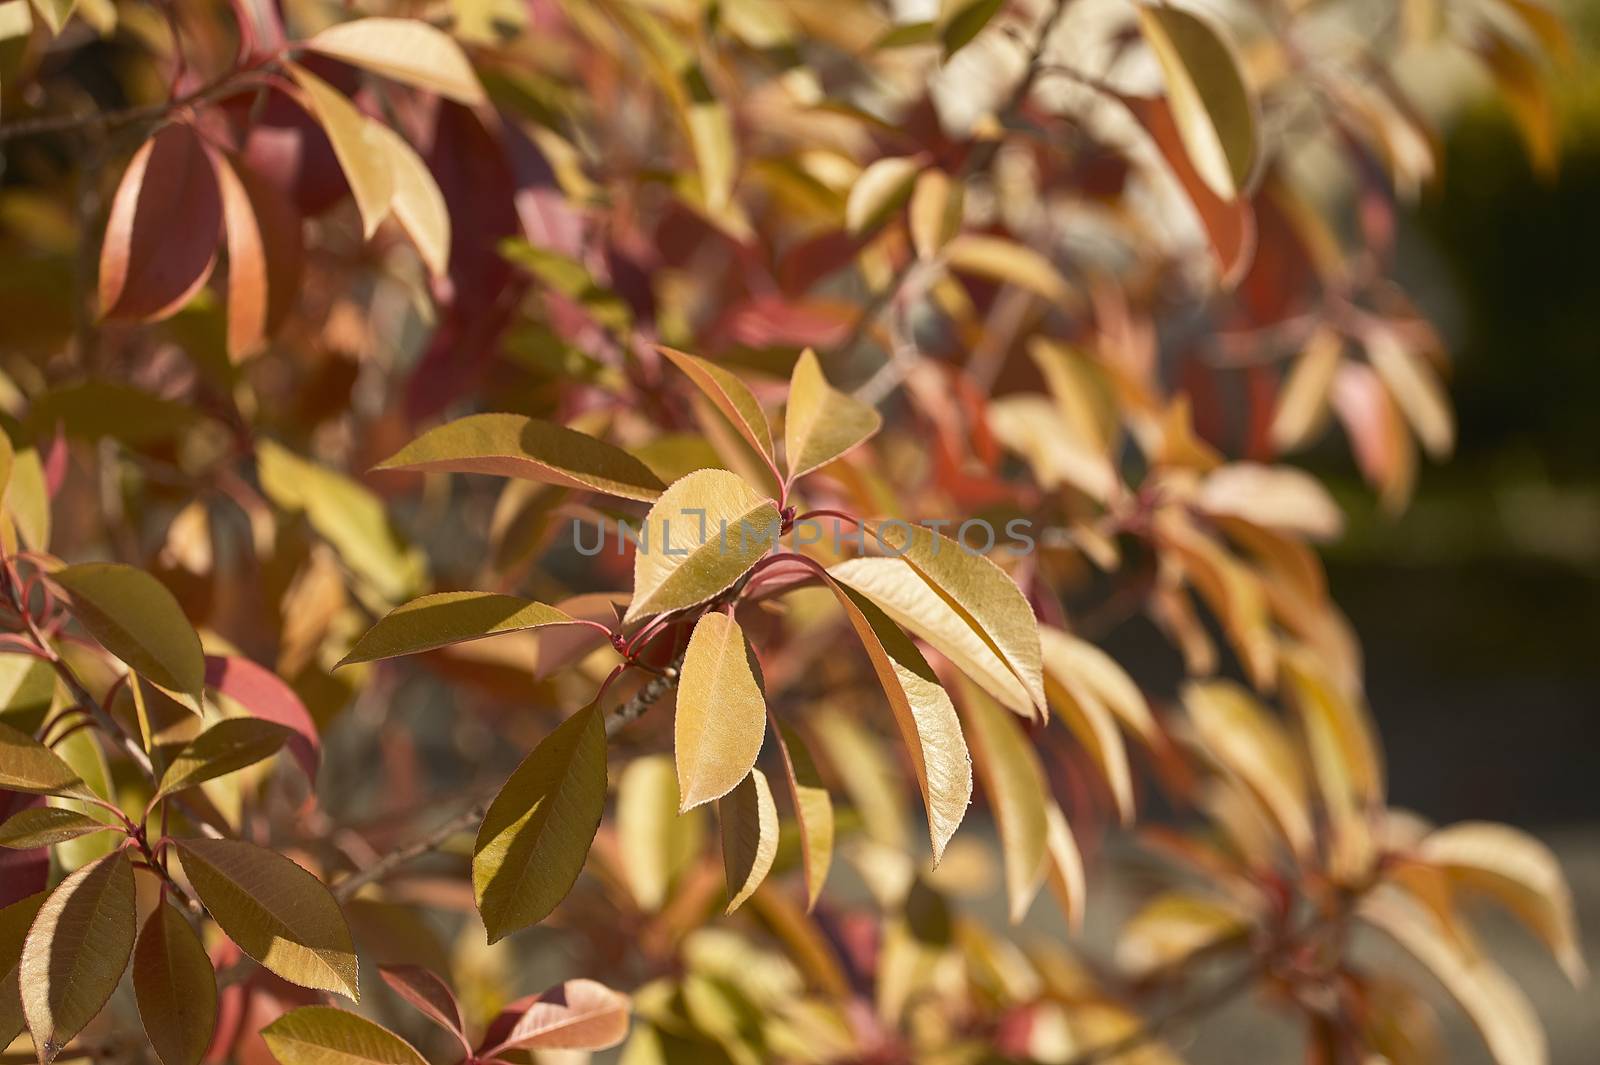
(469, 818)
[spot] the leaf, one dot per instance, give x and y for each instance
(721, 716)
(1064, 867)
(162, 232)
(252, 286)
(1519, 872)
(27, 499)
(749, 820)
(510, 445)
(1345, 762)
(575, 1015)
(405, 49)
(1014, 782)
(655, 841)
(966, 23)
(821, 423)
(15, 920)
(226, 747)
(936, 212)
(880, 189)
(55, 13)
(450, 617)
(76, 951)
(277, 912)
(134, 617)
(1247, 742)
(1006, 262)
(417, 202)
(8, 457)
(176, 987)
(711, 135)
(45, 826)
(323, 1035)
(1032, 426)
(1276, 497)
(1090, 720)
(1214, 111)
(29, 766)
(537, 832)
(423, 989)
(1502, 1013)
(813, 809)
(357, 144)
(1099, 673)
(731, 396)
(264, 694)
(705, 532)
(1171, 928)
(922, 712)
(1416, 390)
(1302, 406)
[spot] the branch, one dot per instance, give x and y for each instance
(644, 698)
(469, 818)
(127, 116)
(1208, 1000)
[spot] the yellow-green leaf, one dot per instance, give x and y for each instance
(705, 532)
(1213, 108)
(417, 202)
(1014, 781)
(1009, 263)
(175, 986)
(821, 423)
(45, 826)
(76, 951)
(28, 499)
(721, 715)
(510, 445)
(323, 1035)
(813, 811)
(450, 617)
(28, 765)
(8, 458)
(277, 912)
(225, 747)
(881, 188)
(731, 396)
(135, 618)
(655, 841)
(922, 711)
(711, 135)
(537, 832)
(749, 820)
(357, 144)
(405, 49)
(965, 23)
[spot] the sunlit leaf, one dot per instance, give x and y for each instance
(705, 532)
(731, 396)
(537, 832)
(1089, 718)
(264, 694)
(277, 912)
(721, 715)
(813, 809)
(882, 187)
(510, 445)
(935, 214)
(1303, 401)
(357, 142)
(1278, 497)
(176, 987)
(1345, 762)
(575, 1015)
(1007, 262)
(135, 618)
(1416, 390)
(417, 203)
(225, 747)
(1240, 734)
(821, 423)
(405, 49)
(1064, 866)
(29, 766)
(45, 826)
(450, 617)
(656, 841)
(55, 12)
(322, 1035)
(76, 952)
(749, 820)
(1013, 780)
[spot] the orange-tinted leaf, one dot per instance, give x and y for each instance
(576, 1015)
(423, 989)
(405, 49)
(721, 716)
(732, 397)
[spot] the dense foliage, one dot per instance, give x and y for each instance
(451, 449)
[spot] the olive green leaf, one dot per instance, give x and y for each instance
(45, 826)
(705, 532)
(510, 445)
(537, 832)
(749, 820)
(450, 617)
(15, 920)
(731, 396)
(967, 21)
(922, 712)
(323, 1035)
(76, 951)
(277, 912)
(27, 499)
(135, 618)
(404, 49)
(28, 765)
(655, 841)
(175, 986)
(721, 716)
(1213, 108)
(813, 810)
(1014, 781)
(227, 746)
(821, 423)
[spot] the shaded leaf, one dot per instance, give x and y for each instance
(749, 820)
(323, 1035)
(731, 396)
(510, 445)
(656, 841)
(821, 423)
(813, 809)
(264, 694)
(45, 826)
(357, 143)
(29, 766)
(15, 920)
(76, 951)
(537, 832)
(1090, 720)
(721, 714)
(249, 283)
(575, 1015)
(176, 987)
(423, 989)
(405, 49)
(277, 912)
(450, 617)
(1014, 782)
(134, 617)
(705, 532)
(226, 747)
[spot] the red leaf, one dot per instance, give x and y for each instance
(161, 239)
(265, 695)
(429, 994)
(265, 251)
